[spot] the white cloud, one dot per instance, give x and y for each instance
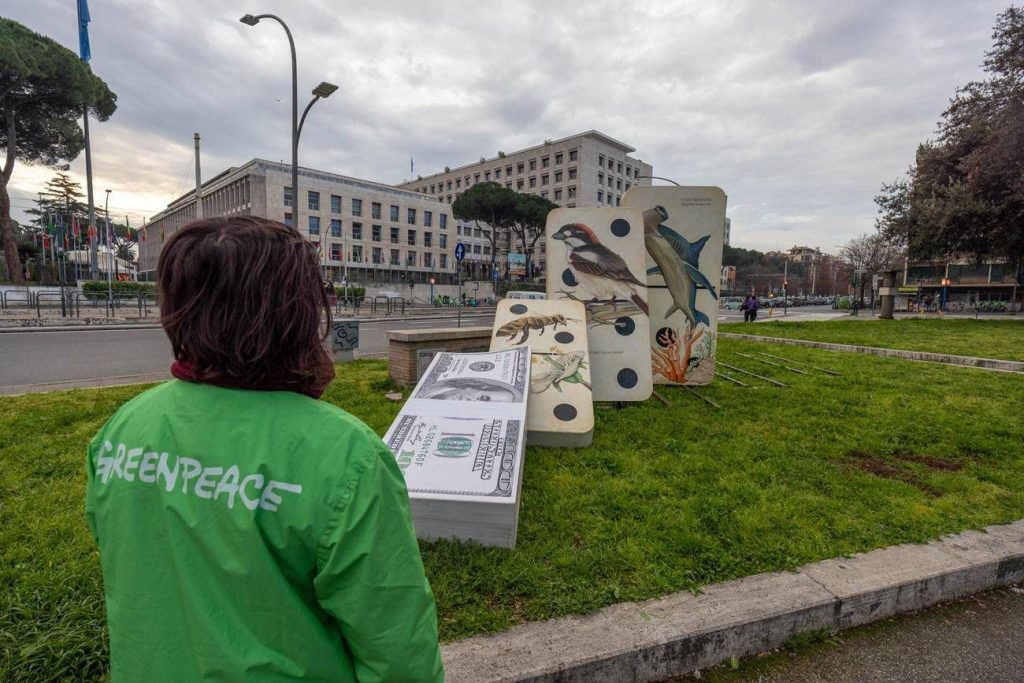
(799, 110)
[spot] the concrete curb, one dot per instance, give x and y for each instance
(682, 632)
(948, 359)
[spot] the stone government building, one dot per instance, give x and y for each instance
(376, 234)
(367, 231)
(589, 169)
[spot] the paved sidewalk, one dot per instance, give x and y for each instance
(980, 638)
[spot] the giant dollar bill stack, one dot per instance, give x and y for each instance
(560, 413)
(459, 442)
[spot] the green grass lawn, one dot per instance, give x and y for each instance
(1002, 339)
(667, 498)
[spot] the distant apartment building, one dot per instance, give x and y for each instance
(804, 255)
(366, 232)
(727, 232)
(590, 169)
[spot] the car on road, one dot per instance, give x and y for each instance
(732, 303)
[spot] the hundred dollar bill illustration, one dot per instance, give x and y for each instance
(444, 457)
(500, 377)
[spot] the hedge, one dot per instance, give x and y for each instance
(357, 292)
(119, 288)
(505, 287)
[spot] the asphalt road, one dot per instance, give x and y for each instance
(980, 638)
(46, 361)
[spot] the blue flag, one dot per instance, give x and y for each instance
(83, 30)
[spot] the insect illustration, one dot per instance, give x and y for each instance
(530, 322)
(557, 368)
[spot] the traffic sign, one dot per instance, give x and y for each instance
(460, 251)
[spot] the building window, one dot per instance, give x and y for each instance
(558, 158)
(618, 184)
(497, 173)
(357, 231)
(335, 204)
(508, 170)
(443, 241)
(558, 195)
(411, 217)
(533, 181)
(544, 179)
(600, 178)
(476, 178)
(519, 184)
(428, 261)
(335, 252)
(618, 167)
(444, 261)
(288, 219)
(375, 210)
(571, 192)
(573, 154)
(442, 221)
(375, 233)
(394, 213)
(572, 174)
(394, 235)
(287, 196)
(314, 225)
(448, 199)
(627, 187)
(558, 176)
(610, 181)
(545, 162)
(449, 186)
(394, 257)
(544, 194)
(600, 197)
(377, 255)
(357, 207)
(600, 160)
(476, 248)
(427, 239)
(412, 238)
(487, 176)
(618, 201)
(357, 253)
(520, 167)
(335, 227)
(533, 164)
(314, 200)
(410, 258)
(428, 219)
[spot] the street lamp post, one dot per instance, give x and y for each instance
(251, 20)
(110, 267)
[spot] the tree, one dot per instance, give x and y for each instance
(43, 90)
(531, 216)
(489, 203)
(872, 254)
(964, 194)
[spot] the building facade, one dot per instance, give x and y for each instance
(590, 169)
(967, 283)
(366, 232)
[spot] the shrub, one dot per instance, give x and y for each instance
(506, 287)
(119, 288)
(350, 292)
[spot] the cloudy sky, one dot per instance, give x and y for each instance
(798, 109)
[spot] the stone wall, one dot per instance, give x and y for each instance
(404, 345)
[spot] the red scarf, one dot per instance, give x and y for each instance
(184, 370)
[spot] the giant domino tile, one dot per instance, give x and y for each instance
(560, 409)
(683, 234)
(597, 256)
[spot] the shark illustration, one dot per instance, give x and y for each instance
(678, 262)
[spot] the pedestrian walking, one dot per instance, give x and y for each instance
(247, 530)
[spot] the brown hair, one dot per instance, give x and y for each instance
(242, 300)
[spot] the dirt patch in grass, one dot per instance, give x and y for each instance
(930, 461)
(887, 470)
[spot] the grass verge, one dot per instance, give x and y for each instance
(667, 498)
(1002, 339)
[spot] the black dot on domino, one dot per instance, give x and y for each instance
(620, 227)
(627, 378)
(517, 309)
(564, 337)
(625, 326)
(568, 278)
(565, 412)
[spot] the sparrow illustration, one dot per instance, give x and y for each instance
(678, 262)
(599, 270)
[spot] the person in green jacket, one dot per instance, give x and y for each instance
(248, 531)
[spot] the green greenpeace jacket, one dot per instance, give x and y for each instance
(255, 536)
